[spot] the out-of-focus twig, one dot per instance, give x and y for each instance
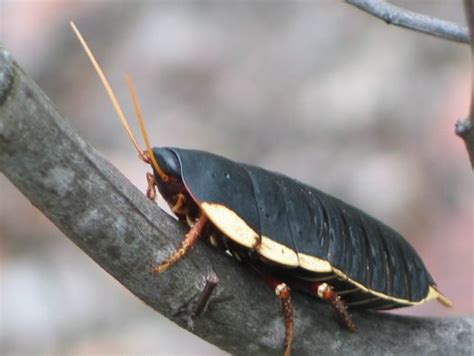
(394, 15)
(465, 127)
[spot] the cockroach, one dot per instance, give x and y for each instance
(293, 235)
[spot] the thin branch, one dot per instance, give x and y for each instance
(112, 222)
(465, 127)
(394, 15)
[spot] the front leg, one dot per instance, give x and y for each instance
(151, 188)
(189, 241)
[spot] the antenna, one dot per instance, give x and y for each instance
(109, 90)
(141, 121)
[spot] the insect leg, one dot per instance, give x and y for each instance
(327, 293)
(180, 206)
(151, 189)
(283, 293)
(189, 241)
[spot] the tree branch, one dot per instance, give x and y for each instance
(465, 127)
(394, 15)
(111, 221)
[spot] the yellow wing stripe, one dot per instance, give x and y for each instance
(235, 228)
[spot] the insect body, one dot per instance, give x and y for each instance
(299, 228)
(293, 235)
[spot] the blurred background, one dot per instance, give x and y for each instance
(317, 90)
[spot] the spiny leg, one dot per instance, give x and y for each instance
(283, 293)
(151, 189)
(189, 241)
(327, 293)
(180, 206)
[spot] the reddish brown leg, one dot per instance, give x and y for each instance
(189, 241)
(327, 293)
(151, 189)
(283, 293)
(179, 205)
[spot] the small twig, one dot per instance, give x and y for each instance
(200, 304)
(465, 127)
(394, 15)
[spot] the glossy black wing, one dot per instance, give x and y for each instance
(212, 178)
(365, 249)
(310, 222)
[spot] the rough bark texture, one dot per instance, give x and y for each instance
(111, 221)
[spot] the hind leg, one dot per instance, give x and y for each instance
(282, 291)
(327, 293)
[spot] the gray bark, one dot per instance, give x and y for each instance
(465, 127)
(125, 233)
(394, 15)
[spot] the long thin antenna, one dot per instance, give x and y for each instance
(141, 121)
(108, 88)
